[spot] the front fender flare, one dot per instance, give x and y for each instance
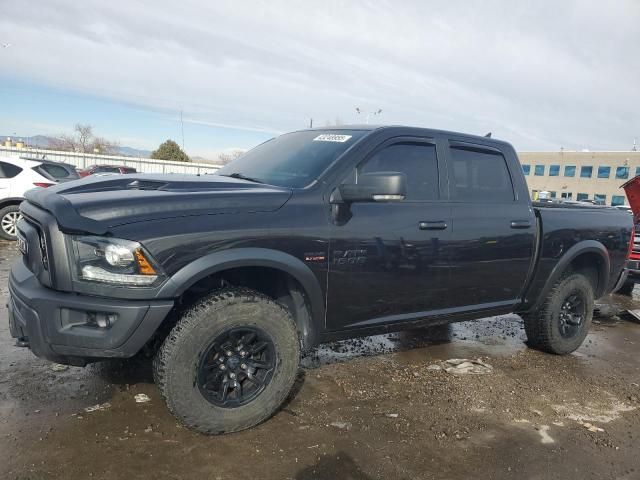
(254, 257)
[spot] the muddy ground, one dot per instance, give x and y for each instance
(364, 409)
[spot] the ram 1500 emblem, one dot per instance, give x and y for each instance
(349, 257)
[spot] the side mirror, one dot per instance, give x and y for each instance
(375, 187)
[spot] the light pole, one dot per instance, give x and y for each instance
(368, 113)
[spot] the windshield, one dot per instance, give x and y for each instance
(293, 160)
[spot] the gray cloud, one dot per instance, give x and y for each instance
(542, 75)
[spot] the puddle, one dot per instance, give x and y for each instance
(495, 335)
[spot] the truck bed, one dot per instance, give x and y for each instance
(561, 227)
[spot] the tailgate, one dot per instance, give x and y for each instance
(632, 189)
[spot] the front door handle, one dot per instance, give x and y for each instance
(432, 225)
(520, 223)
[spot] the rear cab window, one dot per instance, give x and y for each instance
(106, 170)
(55, 171)
(478, 174)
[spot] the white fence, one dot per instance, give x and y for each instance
(83, 160)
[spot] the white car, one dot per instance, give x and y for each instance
(17, 175)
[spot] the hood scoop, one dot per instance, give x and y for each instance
(146, 185)
(97, 205)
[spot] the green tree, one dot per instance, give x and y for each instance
(170, 150)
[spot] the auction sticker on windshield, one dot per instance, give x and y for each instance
(328, 137)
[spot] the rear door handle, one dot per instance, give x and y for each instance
(520, 223)
(432, 225)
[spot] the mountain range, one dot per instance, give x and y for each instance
(43, 141)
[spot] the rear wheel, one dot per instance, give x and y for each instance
(229, 362)
(9, 217)
(563, 322)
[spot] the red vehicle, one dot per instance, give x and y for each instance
(92, 169)
(632, 189)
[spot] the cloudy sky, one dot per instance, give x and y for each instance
(540, 74)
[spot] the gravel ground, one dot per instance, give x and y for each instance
(378, 407)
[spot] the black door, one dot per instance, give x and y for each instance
(386, 259)
(493, 231)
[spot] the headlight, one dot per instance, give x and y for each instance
(115, 261)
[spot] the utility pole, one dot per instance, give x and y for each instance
(311, 123)
(182, 128)
(368, 113)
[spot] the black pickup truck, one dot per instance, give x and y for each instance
(312, 236)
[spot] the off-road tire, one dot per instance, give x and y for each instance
(626, 288)
(8, 210)
(176, 363)
(543, 326)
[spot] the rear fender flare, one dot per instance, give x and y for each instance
(585, 246)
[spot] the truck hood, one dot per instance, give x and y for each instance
(94, 205)
(632, 189)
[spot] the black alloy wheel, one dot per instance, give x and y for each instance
(572, 315)
(236, 367)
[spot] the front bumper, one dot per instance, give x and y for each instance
(63, 327)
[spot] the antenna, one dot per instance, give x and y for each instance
(488, 135)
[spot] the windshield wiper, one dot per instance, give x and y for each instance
(242, 177)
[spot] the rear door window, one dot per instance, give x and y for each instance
(8, 170)
(418, 161)
(478, 175)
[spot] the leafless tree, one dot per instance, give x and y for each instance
(230, 156)
(84, 135)
(83, 141)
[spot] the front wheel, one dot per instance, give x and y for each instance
(229, 362)
(562, 323)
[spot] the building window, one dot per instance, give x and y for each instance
(554, 170)
(539, 171)
(637, 171)
(604, 172)
(570, 171)
(586, 172)
(622, 173)
(600, 198)
(552, 194)
(582, 196)
(567, 195)
(526, 169)
(617, 200)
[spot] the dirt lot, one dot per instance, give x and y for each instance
(365, 409)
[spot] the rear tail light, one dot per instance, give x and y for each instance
(633, 237)
(43, 184)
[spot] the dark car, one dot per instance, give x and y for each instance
(93, 169)
(313, 236)
(57, 171)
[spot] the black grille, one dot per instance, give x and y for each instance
(636, 245)
(37, 258)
